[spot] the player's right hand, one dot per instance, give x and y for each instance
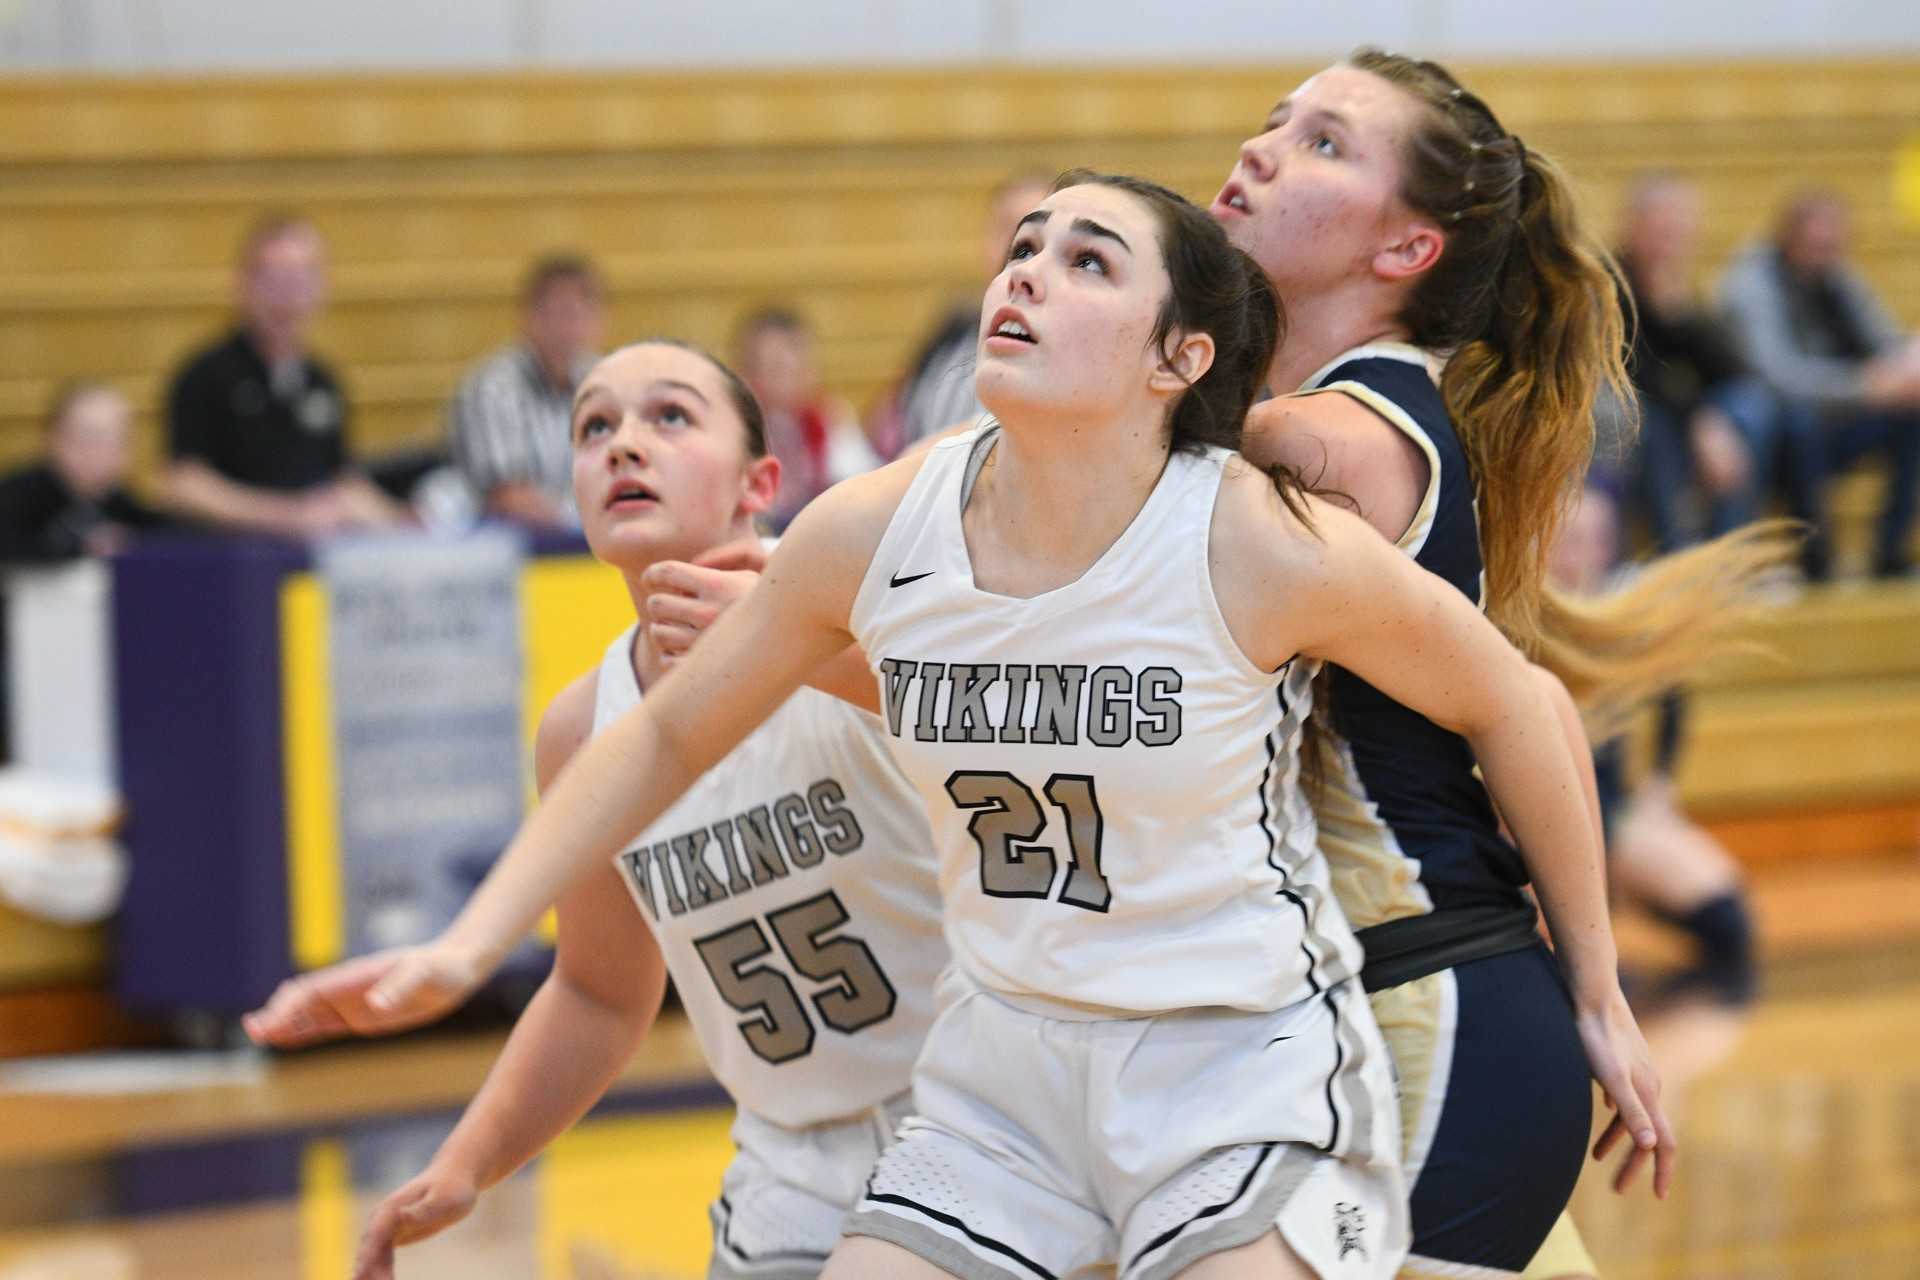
(684, 599)
(374, 995)
(425, 1206)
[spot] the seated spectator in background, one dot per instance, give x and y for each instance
(1813, 329)
(937, 391)
(508, 424)
(814, 434)
(1707, 427)
(256, 424)
(74, 502)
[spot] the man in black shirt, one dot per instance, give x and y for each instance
(257, 426)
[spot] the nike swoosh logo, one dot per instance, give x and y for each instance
(897, 581)
(1276, 1040)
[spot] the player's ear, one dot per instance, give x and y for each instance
(759, 485)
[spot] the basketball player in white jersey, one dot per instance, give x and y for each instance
(1151, 1047)
(790, 892)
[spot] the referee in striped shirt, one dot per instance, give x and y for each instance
(508, 423)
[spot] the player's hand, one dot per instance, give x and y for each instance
(684, 599)
(375, 995)
(425, 1206)
(1618, 1055)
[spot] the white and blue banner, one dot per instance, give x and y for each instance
(426, 651)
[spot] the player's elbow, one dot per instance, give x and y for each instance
(1554, 690)
(1507, 696)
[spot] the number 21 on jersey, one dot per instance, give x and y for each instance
(1007, 819)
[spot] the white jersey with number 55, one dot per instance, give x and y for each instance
(792, 890)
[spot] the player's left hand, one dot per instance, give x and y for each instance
(1618, 1055)
(329, 1003)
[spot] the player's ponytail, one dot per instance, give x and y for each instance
(1525, 303)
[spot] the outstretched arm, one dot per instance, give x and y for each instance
(639, 765)
(580, 1029)
(1419, 641)
(1345, 595)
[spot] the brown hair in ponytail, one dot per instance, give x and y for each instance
(1525, 301)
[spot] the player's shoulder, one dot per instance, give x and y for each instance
(565, 726)
(1274, 541)
(844, 526)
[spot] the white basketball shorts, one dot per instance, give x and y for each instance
(1057, 1146)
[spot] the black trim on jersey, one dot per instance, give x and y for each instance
(1339, 1064)
(1266, 785)
(1306, 919)
(1326, 993)
(762, 1259)
(947, 1219)
(1166, 1237)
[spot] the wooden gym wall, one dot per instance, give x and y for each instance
(856, 196)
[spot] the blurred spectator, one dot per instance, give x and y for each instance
(1813, 329)
(508, 423)
(74, 502)
(1706, 426)
(937, 391)
(814, 434)
(256, 424)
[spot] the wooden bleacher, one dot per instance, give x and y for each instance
(1815, 747)
(857, 196)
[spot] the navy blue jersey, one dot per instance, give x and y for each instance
(1404, 818)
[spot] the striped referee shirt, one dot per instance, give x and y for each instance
(508, 425)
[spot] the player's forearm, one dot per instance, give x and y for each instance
(564, 1053)
(1531, 772)
(617, 785)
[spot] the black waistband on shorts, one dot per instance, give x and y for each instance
(1413, 947)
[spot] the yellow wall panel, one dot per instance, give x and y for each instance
(571, 609)
(315, 886)
(595, 1176)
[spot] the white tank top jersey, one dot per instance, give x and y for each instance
(793, 895)
(1113, 784)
